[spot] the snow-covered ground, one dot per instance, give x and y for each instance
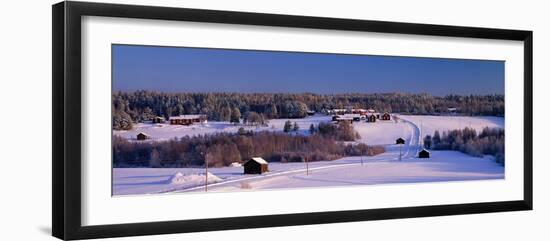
(378, 133)
(429, 124)
(380, 169)
(443, 166)
(382, 132)
(159, 132)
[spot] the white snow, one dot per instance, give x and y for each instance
(381, 169)
(443, 166)
(159, 132)
(157, 180)
(180, 179)
(382, 132)
(377, 133)
(429, 124)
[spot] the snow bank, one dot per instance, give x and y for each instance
(193, 179)
(236, 164)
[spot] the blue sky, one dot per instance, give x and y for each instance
(175, 69)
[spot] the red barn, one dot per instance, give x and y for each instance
(371, 118)
(187, 119)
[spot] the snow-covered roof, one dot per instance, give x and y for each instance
(425, 150)
(186, 117)
(350, 115)
(341, 110)
(259, 160)
(143, 133)
(343, 117)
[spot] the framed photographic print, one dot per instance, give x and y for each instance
(169, 120)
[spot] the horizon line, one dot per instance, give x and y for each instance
(291, 93)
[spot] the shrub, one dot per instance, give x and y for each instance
(489, 142)
(222, 149)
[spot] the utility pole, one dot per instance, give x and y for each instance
(362, 153)
(362, 149)
(307, 166)
(400, 147)
(206, 172)
(421, 138)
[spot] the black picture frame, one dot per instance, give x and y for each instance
(66, 158)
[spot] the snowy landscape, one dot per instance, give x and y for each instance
(191, 119)
(380, 169)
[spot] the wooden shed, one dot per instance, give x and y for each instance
(386, 116)
(255, 165)
(142, 136)
(158, 119)
(424, 154)
(400, 141)
(452, 110)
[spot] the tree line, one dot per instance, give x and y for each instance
(222, 149)
(489, 142)
(137, 106)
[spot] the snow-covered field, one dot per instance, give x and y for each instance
(159, 132)
(429, 124)
(382, 132)
(378, 133)
(380, 169)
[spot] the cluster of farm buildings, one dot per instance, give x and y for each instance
(181, 119)
(174, 120)
(351, 114)
(338, 115)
